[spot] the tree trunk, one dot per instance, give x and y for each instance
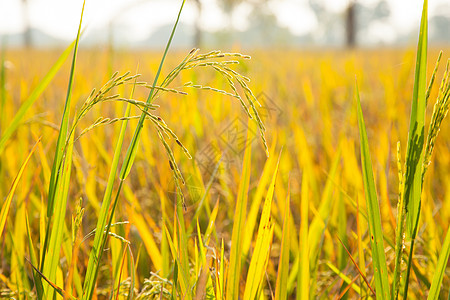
(198, 30)
(350, 25)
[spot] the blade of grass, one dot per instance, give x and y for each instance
(283, 264)
(376, 230)
(7, 204)
(440, 268)
(261, 251)
(303, 275)
(234, 268)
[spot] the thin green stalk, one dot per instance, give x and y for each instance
(59, 154)
(100, 238)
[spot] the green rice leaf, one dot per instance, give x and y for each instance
(416, 136)
(440, 268)
(373, 208)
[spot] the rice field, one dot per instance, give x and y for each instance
(210, 175)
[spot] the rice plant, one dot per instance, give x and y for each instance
(116, 202)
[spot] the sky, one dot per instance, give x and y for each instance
(60, 17)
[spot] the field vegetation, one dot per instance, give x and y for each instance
(180, 178)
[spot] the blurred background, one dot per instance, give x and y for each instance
(248, 24)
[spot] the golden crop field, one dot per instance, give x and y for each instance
(194, 206)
